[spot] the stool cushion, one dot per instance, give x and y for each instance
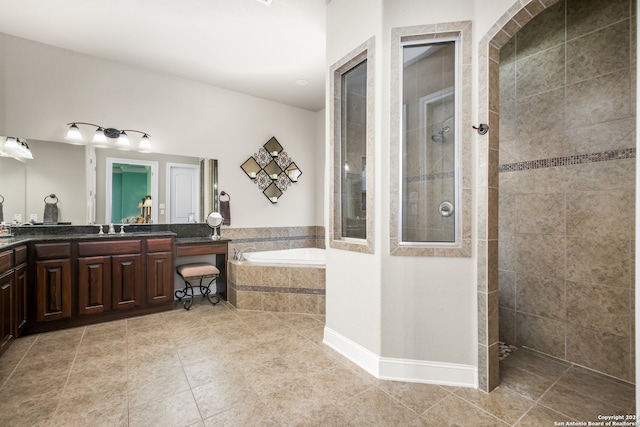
(197, 269)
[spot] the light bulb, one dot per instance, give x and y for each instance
(123, 140)
(99, 137)
(73, 134)
(145, 143)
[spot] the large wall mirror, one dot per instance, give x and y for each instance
(67, 170)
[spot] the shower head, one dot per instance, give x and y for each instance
(439, 136)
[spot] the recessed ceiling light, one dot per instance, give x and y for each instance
(267, 2)
(302, 82)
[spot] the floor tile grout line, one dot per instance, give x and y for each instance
(574, 367)
(490, 413)
(539, 400)
(64, 387)
(449, 394)
(19, 362)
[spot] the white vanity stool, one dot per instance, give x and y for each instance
(195, 271)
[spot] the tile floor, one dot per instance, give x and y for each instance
(217, 366)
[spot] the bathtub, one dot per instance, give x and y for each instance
(298, 256)
(288, 280)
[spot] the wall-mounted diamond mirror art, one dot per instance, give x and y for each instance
(272, 170)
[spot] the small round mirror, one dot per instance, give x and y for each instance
(214, 219)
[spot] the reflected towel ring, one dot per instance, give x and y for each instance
(222, 193)
(1, 197)
(52, 196)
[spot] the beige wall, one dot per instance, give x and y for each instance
(566, 228)
(45, 176)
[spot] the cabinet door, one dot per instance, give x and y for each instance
(53, 289)
(6, 312)
(94, 277)
(20, 295)
(126, 281)
(159, 277)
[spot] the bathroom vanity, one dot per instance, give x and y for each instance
(77, 280)
(56, 281)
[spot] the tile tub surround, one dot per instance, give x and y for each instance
(567, 185)
(290, 289)
(273, 238)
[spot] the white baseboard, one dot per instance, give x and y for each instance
(407, 370)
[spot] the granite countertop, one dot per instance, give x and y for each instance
(11, 242)
(197, 233)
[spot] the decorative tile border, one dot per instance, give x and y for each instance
(274, 239)
(429, 177)
(277, 289)
(579, 159)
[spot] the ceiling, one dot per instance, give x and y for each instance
(242, 45)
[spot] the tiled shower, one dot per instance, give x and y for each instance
(567, 185)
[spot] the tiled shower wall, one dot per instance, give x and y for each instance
(273, 238)
(567, 174)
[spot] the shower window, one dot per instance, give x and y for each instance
(351, 225)
(426, 145)
(353, 131)
(428, 180)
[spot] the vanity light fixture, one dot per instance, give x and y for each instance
(101, 134)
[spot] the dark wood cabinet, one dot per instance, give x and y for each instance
(21, 302)
(159, 271)
(83, 281)
(52, 281)
(94, 277)
(6, 310)
(159, 277)
(13, 295)
(126, 281)
(20, 292)
(53, 289)
(112, 278)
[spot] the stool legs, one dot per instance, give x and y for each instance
(206, 291)
(187, 292)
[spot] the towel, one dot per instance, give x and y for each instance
(1, 214)
(225, 208)
(225, 211)
(50, 211)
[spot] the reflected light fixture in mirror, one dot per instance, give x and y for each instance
(101, 134)
(16, 148)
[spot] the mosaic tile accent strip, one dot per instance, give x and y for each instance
(278, 289)
(429, 177)
(579, 159)
(273, 239)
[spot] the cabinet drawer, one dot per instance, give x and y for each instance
(200, 249)
(20, 255)
(120, 247)
(53, 250)
(160, 245)
(6, 261)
